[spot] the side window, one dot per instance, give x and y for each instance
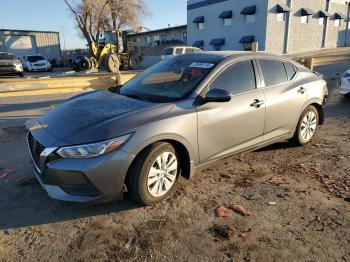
(291, 71)
(273, 71)
(178, 51)
(238, 78)
(189, 50)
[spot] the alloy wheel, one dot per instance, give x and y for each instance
(308, 126)
(162, 174)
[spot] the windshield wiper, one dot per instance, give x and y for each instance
(138, 97)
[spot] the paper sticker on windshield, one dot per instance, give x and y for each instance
(202, 65)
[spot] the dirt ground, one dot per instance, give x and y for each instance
(298, 197)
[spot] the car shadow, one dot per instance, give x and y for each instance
(277, 146)
(47, 211)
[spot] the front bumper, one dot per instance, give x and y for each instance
(39, 69)
(97, 179)
(13, 69)
(344, 87)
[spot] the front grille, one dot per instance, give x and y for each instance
(80, 190)
(7, 66)
(35, 149)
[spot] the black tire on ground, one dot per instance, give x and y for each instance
(111, 63)
(297, 139)
(94, 62)
(136, 180)
(347, 95)
(85, 64)
(21, 74)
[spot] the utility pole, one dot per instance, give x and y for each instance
(287, 29)
(347, 25)
(325, 30)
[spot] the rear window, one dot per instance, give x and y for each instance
(291, 71)
(7, 57)
(273, 71)
(168, 51)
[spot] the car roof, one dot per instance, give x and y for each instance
(180, 46)
(218, 56)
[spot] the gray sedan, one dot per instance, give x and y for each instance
(172, 120)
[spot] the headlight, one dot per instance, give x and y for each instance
(17, 63)
(93, 150)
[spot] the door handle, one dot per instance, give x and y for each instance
(302, 90)
(257, 103)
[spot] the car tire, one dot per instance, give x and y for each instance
(21, 74)
(112, 63)
(307, 126)
(85, 64)
(147, 182)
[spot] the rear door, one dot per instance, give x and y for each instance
(225, 128)
(285, 96)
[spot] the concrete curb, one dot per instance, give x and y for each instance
(60, 85)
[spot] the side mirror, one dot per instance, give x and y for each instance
(218, 95)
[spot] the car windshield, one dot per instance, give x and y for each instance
(169, 80)
(35, 58)
(168, 51)
(7, 57)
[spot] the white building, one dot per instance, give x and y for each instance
(23, 42)
(279, 26)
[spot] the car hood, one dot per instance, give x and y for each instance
(7, 61)
(98, 116)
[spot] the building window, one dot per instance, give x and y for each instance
(199, 44)
(321, 21)
(156, 38)
(305, 14)
(226, 17)
(200, 26)
(218, 43)
(250, 18)
(227, 21)
(200, 22)
(247, 42)
(337, 22)
(305, 19)
(281, 17)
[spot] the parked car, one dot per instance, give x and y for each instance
(171, 120)
(10, 64)
(178, 50)
(345, 84)
(36, 63)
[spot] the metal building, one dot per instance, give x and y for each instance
(23, 42)
(278, 26)
(164, 36)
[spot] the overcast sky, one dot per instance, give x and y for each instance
(53, 15)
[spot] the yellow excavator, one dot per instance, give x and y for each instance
(106, 57)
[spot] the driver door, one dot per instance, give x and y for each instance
(228, 127)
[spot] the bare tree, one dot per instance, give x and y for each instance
(90, 16)
(125, 13)
(95, 16)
